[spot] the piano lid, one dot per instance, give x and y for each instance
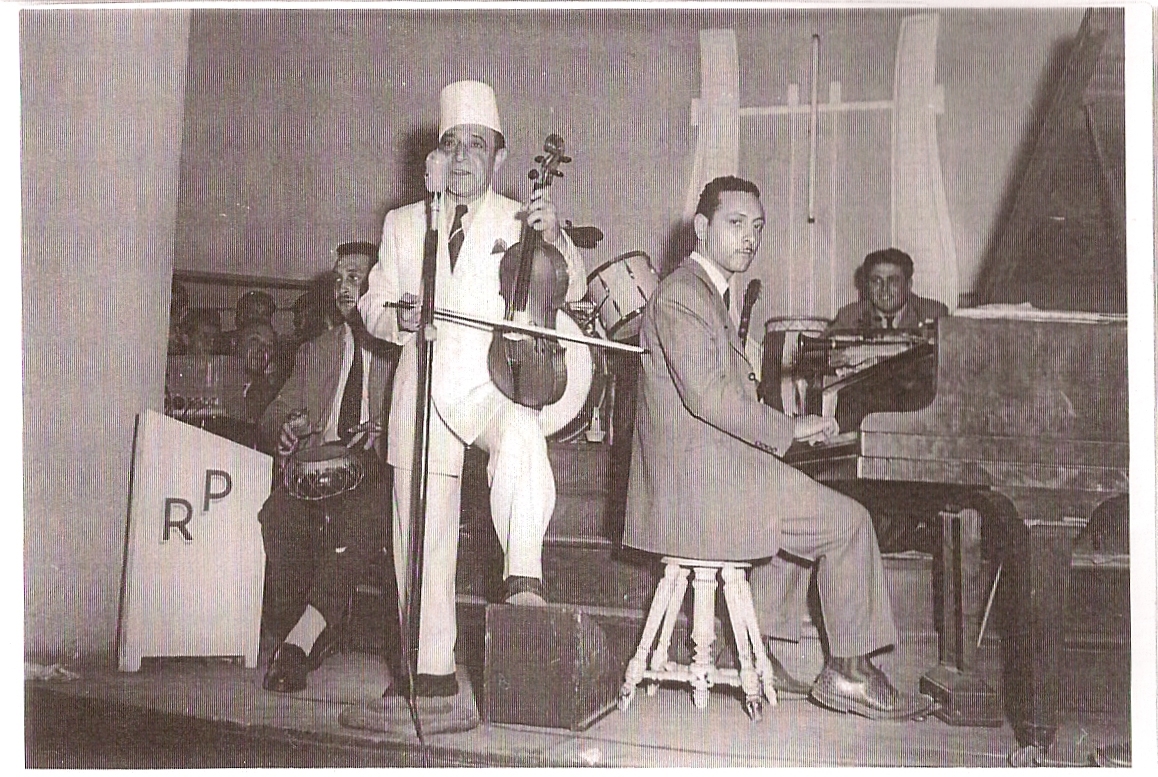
(1062, 243)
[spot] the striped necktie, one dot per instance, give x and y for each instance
(454, 244)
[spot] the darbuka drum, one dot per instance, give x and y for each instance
(778, 384)
(323, 472)
(620, 288)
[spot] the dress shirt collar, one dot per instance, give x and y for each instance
(881, 319)
(717, 277)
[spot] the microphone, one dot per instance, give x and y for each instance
(437, 171)
(750, 295)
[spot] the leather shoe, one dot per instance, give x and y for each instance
(287, 669)
(429, 686)
(524, 590)
(872, 697)
(325, 646)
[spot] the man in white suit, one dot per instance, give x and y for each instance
(476, 227)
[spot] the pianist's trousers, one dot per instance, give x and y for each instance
(522, 499)
(317, 551)
(834, 533)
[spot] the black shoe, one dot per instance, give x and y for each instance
(524, 590)
(325, 646)
(287, 670)
(430, 686)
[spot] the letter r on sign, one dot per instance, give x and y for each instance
(170, 501)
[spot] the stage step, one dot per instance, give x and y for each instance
(584, 566)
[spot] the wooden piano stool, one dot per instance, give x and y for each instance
(755, 672)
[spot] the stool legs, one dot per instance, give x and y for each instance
(742, 615)
(703, 633)
(673, 577)
(659, 658)
(755, 672)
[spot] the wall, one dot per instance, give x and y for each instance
(102, 100)
(304, 126)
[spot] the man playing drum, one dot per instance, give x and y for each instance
(324, 525)
(476, 228)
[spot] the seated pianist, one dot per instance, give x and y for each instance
(318, 549)
(707, 480)
(889, 302)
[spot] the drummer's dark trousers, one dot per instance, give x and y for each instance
(317, 551)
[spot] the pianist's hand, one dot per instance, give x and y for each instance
(813, 429)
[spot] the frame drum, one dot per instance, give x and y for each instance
(620, 288)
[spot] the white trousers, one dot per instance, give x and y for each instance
(522, 501)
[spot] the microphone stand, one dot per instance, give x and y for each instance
(412, 609)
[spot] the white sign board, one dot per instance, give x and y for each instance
(194, 564)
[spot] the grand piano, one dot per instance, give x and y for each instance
(1014, 411)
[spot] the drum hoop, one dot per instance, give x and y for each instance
(340, 452)
(625, 320)
(595, 273)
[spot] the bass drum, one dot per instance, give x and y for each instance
(580, 369)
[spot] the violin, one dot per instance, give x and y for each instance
(533, 280)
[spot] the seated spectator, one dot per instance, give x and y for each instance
(257, 344)
(253, 307)
(888, 301)
(203, 328)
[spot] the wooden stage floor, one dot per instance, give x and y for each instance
(214, 713)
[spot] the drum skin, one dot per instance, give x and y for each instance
(620, 288)
(323, 472)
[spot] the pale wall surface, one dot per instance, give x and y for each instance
(304, 126)
(102, 100)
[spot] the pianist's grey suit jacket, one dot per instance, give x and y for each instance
(705, 479)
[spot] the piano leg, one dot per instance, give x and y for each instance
(964, 698)
(1034, 590)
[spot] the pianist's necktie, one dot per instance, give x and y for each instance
(728, 299)
(454, 245)
(889, 322)
(350, 411)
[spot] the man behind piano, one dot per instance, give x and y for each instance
(889, 301)
(707, 482)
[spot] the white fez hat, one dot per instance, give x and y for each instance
(468, 102)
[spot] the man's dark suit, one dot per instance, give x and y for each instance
(916, 311)
(316, 551)
(706, 481)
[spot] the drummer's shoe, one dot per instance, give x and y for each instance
(437, 714)
(287, 669)
(325, 646)
(524, 590)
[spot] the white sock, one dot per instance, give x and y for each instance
(308, 627)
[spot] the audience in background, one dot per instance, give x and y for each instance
(253, 307)
(203, 329)
(257, 344)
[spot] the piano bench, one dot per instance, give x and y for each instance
(755, 672)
